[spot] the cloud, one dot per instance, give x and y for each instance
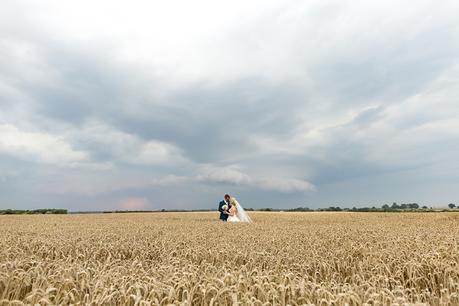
(229, 175)
(277, 184)
(233, 177)
(170, 180)
(111, 144)
(41, 147)
(284, 185)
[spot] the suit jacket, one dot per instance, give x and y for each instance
(221, 210)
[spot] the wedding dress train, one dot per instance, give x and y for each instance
(233, 219)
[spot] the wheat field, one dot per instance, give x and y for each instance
(194, 259)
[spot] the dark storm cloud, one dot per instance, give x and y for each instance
(214, 124)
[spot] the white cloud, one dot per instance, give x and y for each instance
(284, 184)
(37, 146)
(231, 175)
(128, 148)
(155, 152)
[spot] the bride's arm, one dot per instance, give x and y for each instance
(233, 211)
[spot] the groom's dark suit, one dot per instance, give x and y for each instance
(223, 216)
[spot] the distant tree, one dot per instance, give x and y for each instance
(425, 207)
(395, 206)
(451, 205)
(413, 205)
(266, 209)
(299, 209)
(385, 207)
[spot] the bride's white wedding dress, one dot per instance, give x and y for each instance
(233, 219)
(241, 215)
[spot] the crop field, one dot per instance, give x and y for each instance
(318, 258)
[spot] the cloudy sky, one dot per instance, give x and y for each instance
(171, 104)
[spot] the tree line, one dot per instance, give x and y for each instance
(49, 211)
(384, 208)
(394, 207)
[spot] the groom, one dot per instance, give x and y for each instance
(226, 201)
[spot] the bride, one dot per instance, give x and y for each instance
(237, 213)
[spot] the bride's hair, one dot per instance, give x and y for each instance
(240, 212)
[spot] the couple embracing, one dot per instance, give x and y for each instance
(231, 211)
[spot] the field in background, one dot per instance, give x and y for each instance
(193, 259)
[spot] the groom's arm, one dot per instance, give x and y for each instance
(220, 207)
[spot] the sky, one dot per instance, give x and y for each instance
(134, 105)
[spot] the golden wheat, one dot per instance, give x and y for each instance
(193, 259)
